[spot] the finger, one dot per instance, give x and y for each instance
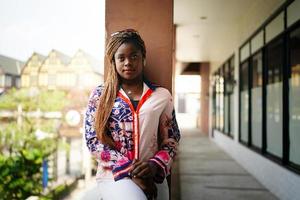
(136, 163)
(139, 165)
(144, 173)
(139, 168)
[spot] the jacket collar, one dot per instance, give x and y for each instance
(151, 85)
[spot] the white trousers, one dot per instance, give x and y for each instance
(126, 189)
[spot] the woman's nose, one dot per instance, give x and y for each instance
(127, 61)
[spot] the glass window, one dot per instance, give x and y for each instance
(245, 52)
(256, 100)
(231, 98)
(274, 60)
(293, 14)
(244, 101)
(226, 97)
(8, 81)
(43, 79)
(257, 42)
(1, 80)
(294, 97)
(18, 82)
(218, 101)
(214, 102)
(221, 101)
(275, 27)
(33, 80)
(51, 79)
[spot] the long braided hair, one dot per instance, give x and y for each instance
(112, 82)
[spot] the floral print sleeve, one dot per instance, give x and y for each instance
(106, 157)
(169, 136)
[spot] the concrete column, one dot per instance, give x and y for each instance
(204, 73)
(154, 21)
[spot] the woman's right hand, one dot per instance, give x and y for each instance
(147, 185)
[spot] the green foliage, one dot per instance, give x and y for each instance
(31, 100)
(13, 98)
(20, 176)
(52, 100)
(21, 160)
(21, 151)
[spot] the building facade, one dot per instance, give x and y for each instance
(59, 71)
(255, 101)
(54, 71)
(88, 71)
(10, 72)
(30, 72)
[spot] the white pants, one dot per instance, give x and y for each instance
(126, 189)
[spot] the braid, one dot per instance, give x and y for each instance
(111, 85)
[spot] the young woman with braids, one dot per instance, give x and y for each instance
(130, 125)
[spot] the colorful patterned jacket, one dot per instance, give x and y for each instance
(149, 133)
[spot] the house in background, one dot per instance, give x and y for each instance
(30, 72)
(87, 70)
(59, 71)
(10, 72)
(53, 73)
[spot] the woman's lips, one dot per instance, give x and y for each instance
(128, 71)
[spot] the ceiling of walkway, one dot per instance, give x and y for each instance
(206, 29)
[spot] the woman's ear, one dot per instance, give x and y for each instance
(144, 62)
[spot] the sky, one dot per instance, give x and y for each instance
(28, 26)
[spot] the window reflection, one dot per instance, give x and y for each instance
(244, 101)
(294, 97)
(256, 100)
(231, 99)
(274, 60)
(221, 103)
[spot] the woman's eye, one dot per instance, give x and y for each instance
(121, 59)
(134, 57)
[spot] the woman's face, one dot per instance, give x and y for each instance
(129, 62)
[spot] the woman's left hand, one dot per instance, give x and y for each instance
(142, 169)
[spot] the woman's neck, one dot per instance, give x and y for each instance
(132, 83)
(133, 89)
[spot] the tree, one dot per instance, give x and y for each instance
(31, 100)
(22, 150)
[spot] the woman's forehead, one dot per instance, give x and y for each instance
(128, 47)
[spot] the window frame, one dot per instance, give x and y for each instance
(221, 72)
(284, 161)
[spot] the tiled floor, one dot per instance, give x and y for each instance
(207, 172)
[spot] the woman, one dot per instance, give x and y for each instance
(130, 125)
